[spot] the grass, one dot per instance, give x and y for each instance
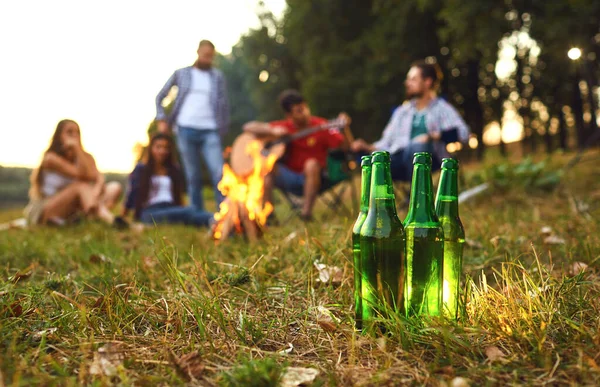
(169, 307)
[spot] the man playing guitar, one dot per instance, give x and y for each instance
(301, 172)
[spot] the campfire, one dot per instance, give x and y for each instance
(243, 210)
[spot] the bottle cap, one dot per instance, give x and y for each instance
(380, 157)
(365, 161)
(449, 163)
(422, 158)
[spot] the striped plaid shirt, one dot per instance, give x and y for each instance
(440, 117)
(182, 78)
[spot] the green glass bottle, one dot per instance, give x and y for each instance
(424, 245)
(365, 164)
(382, 247)
(446, 207)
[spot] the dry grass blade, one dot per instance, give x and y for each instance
(23, 274)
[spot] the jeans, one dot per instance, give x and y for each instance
(195, 144)
(402, 161)
(173, 214)
(293, 182)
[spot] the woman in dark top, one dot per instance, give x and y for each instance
(155, 192)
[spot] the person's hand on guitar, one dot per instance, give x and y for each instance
(344, 119)
(278, 131)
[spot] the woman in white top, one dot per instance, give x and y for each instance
(155, 191)
(68, 182)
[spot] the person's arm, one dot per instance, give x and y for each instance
(450, 118)
(132, 190)
(224, 104)
(264, 129)
(161, 116)
(83, 168)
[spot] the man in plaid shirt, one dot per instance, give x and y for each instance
(200, 117)
(425, 123)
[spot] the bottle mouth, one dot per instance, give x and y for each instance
(422, 158)
(380, 157)
(449, 163)
(365, 161)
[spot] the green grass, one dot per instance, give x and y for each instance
(170, 292)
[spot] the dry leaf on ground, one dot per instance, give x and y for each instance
(459, 382)
(326, 319)
(107, 360)
(494, 353)
(149, 262)
(23, 274)
(191, 365)
(45, 332)
(495, 241)
(554, 240)
(296, 376)
(577, 267)
(329, 274)
(473, 244)
(288, 350)
(99, 258)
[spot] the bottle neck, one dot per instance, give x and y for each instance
(447, 196)
(381, 190)
(421, 208)
(365, 188)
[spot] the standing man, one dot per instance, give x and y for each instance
(200, 116)
(302, 172)
(425, 123)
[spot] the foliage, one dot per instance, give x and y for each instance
(526, 174)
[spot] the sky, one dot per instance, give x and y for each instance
(101, 63)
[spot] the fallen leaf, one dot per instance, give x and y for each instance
(23, 274)
(14, 310)
(554, 240)
(99, 258)
(190, 365)
(326, 319)
(107, 360)
(149, 262)
(459, 382)
(447, 370)
(288, 350)
(45, 332)
(296, 376)
(98, 302)
(576, 268)
(329, 274)
(473, 244)
(546, 230)
(495, 241)
(290, 237)
(494, 353)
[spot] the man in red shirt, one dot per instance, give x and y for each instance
(302, 170)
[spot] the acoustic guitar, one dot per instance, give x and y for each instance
(242, 162)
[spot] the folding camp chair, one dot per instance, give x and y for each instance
(341, 170)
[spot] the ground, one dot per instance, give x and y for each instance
(88, 304)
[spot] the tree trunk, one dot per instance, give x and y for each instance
(474, 109)
(562, 130)
(578, 111)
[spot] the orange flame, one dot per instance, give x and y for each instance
(248, 191)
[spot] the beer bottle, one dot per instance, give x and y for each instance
(382, 246)
(365, 164)
(424, 245)
(446, 207)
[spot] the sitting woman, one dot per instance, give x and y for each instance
(156, 184)
(67, 183)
